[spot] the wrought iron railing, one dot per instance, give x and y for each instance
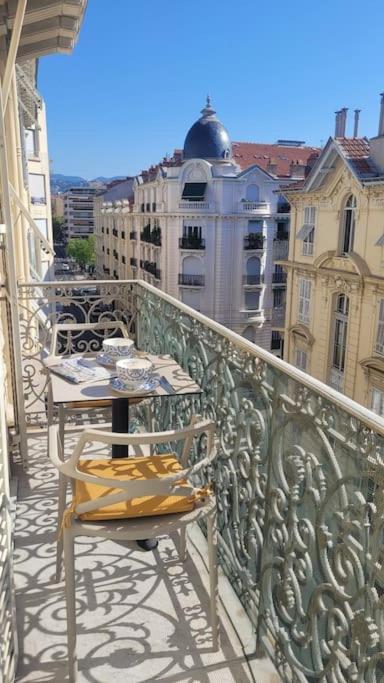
(299, 476)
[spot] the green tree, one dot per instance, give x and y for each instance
(58, 228)
(83, 251)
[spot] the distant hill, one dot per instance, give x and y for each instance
(61, 183)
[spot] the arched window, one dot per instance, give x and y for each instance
(348, 225)
(253, 268)
(253, 193)
(249, 333)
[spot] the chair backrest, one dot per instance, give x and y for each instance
(75, 331)
(124, 490)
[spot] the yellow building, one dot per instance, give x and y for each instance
(335, 292)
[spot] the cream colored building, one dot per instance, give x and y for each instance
(335, 290)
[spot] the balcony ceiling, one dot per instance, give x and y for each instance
(49, 26)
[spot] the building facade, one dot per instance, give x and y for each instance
(78, 212)
(335, 295)
(207, 226)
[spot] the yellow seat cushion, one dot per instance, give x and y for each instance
(130, 468)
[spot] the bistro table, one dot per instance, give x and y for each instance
(173, 381)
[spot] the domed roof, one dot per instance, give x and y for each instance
(208, 138)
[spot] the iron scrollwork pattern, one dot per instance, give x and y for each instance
(44, 304)
(299, 480)
(299, 483)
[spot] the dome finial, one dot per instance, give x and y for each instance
(208, 110)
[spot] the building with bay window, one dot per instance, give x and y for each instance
(207, 226)
(335, 266)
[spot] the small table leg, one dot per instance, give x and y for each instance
(120, 424)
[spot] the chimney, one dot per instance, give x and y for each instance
(343, 116)
(337, 124)
(297, 169)
(356, 126)
(381, 121)
(272, 166)
(376, 144)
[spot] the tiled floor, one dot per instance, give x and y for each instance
(141, 616)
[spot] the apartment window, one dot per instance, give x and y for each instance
(278, 298)
(380, 329)
(301, 359)
(42, 225)
(377, 401)
(31, 142)
(194, 192)
(307, 231)
(37, 188)
(340, 332)
(252, 301)
(304, 300)
(348, 225)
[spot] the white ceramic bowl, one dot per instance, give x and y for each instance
(134, 371)
(118, 347)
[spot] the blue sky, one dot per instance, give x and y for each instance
(139, 75)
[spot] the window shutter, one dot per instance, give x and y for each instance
(380, 329)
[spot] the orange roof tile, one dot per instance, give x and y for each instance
(249, 153)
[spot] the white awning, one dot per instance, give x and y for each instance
(304, 231)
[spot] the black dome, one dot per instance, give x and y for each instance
(208, 138)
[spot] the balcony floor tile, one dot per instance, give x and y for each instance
(141, 616)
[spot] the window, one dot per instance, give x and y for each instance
(37, 188)
(307, 231)
(42, 225)
(192, 231)
(348, 225)
(249, 333)
(278, 298)
(380, 330)
(301, 359)
(253, 193)
(276, 341)
(31, 142)
(377, 401)
(252, 301)
(194, 192)
(253, 268)
(340, 332)
(304, 300)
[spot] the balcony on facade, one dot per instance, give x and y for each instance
(192, 242)
(194, 206)
(279, 278)
(151, 268)
(280, 248)
(255, 208)
(283, 208)
(254, 240)
(151, 235)
(188, 280)
(298, 481)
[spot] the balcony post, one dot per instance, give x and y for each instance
(11, 284)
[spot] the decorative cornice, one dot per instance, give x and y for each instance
(303, 332)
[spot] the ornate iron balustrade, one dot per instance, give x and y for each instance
(299, 477)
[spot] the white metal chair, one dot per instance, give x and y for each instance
(131, 499)
(72, 330)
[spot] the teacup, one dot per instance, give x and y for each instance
(118, 347)
(134, 371)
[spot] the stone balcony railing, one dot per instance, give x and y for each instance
(194, 206)
(254, 207)
(299, 476)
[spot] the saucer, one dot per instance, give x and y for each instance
(122, 388)
(105, 360)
